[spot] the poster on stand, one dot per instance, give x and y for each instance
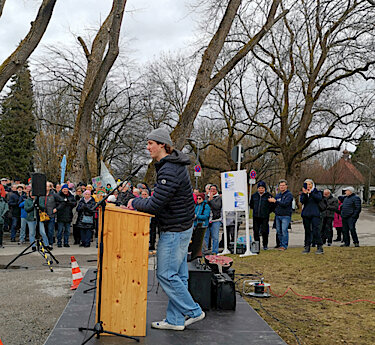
(234, 188)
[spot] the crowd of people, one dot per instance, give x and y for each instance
(321, 211)
(65, 209)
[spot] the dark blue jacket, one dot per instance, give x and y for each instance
(14, 200)
(351, 206)
(284, 203)
(310, 203)
(260, 205)
(202, 212)
(172, 201)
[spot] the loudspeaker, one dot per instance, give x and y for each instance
(223, 292)
(200, 284)
(38, 184)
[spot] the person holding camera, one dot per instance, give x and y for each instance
(65, 204)
(310, 199)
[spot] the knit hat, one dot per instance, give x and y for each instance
(160, 135)
(261, 184)
(87, 192)
(64, 186)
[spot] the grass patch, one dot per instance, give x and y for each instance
(343, 274)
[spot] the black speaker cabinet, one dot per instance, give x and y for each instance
(223, 292)
(38, 184)
(200, 284)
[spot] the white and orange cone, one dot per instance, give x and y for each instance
(76, 273)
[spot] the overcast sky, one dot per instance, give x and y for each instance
(149, 27)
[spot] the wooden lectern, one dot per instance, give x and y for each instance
(125, 269)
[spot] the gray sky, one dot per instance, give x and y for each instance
(149, 27)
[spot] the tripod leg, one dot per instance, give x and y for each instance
(42, 251)
(88, 290)
(20, 254)
(121, 335)
(49, 252)
(90, 337)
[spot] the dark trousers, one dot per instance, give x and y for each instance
(1, 234)
(261, 227)
(86, 236)
(153, 226)
(230, 235)
(76, 234)
(348, 225)
(339, 232)
(312, 226)
(326, 229)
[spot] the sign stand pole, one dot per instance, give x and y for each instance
(236, 219)
(226, 250)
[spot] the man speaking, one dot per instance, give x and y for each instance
(173, 205)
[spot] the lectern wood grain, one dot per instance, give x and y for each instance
(125, 267)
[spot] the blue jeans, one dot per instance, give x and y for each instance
(13, 228)
(50, 224)
(32, 230)
(172, 272)
(63, 227)
(213, 229)
(282, 223)
(23, 229)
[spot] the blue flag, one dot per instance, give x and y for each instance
(63, 168)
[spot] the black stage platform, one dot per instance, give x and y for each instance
(243, 326)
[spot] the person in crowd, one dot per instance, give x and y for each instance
(58, 188)
(125, 194)
(2, 191)
(85, 220)
(144, 194)
(76, 231)
(31, 222)
(328, 206)
(23, 197)
(262, 208)
(4, 184)
(172, 203)
(207, 190)
(3, 210)
(72, 188)
(65, 205)
(310, 199)
(79, 194)
(49, 204)
(215, 203)
(283, 213)
(14, 199)
(337, 221)
(108, 188)
(202, 211)
(350, 210)
(112, 199)
(136, 192)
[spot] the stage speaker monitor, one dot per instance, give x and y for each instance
(38, 184)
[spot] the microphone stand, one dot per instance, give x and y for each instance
(98, 327)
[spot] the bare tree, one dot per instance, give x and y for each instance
(38, 27)
(100, 59)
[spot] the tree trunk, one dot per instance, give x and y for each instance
(96, 73)
(38, 27)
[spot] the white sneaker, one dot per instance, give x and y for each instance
(191, 320)
(165, 325)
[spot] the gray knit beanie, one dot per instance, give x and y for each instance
(160, 135)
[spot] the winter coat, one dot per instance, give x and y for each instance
(260, 205)
(202, 212)
(172, 201)
(30, 209)
(337, 221)
(284, 202)
(329, 206)
(310, 203)
(3, 209)
(351, 206)
(216, 205)
(14, 200)
(52, 201)
(65, 205)
(86, 209)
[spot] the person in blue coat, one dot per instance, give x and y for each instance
(202, 211)
(310, 199)
(350, 210)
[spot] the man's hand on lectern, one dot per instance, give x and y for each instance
(130, 206)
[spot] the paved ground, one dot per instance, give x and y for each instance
(32, 299)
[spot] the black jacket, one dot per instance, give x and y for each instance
(216, 205)
(351, 206)
(14, 200)
(172, 201)
(86, 209)
(328, 206)
(65, 205)
(311, 203)
(260, 205)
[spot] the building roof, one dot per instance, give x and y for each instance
(343, 172)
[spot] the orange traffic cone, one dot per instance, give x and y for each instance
(1, 343)
(76, 273)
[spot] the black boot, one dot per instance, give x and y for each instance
(306, 250)
(319, 250)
